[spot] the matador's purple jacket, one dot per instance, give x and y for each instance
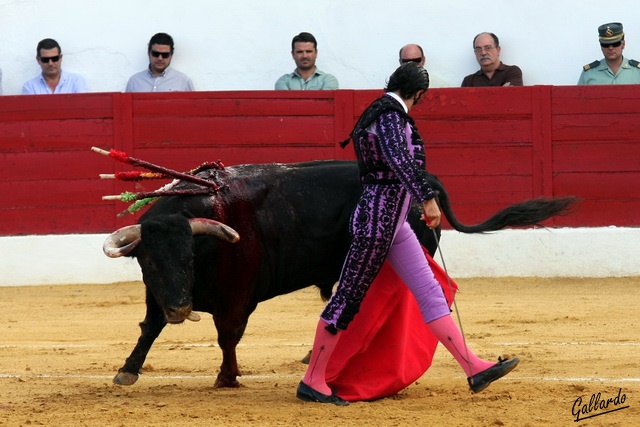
(391, 161)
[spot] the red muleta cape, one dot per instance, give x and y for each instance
(387, 346)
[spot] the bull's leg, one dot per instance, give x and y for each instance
(151, 327)
(230, 332)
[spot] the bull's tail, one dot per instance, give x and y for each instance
(524, 214)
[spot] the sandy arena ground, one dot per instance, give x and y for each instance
(61, 346)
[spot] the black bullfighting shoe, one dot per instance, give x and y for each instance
(308, 394)
(481, 380)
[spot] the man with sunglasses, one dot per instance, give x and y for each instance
(158, 77)
(614, 68)
(412, 53)
(52, 80)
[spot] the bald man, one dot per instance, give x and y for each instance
(412, 53)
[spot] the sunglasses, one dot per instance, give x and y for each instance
(156, 54)
(416, 60)
(616, 44)
(46, 60)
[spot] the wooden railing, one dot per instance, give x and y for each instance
(490, 146)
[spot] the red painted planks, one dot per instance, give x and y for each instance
(267, 130)
(596, 157)
(598, 99)
(593, 213)
(38, 194)
(54, 165)
(603, 187)
(37, 135)
(98, 218)
(512, 131)
(605, 127)
(231, 107)
(188, 158)
(478, 159)
(491, 146)
(59, 107)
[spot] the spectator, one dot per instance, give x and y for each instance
(613, 68)
(492, 71)
(412, 53)
(158, 77)
(306, 76)
(52, 79)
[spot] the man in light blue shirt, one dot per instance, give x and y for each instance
(52, 80)
(158, 77)
(614, 68)
(306, 76)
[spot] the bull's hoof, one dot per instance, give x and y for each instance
(125, 378)
(228, 383)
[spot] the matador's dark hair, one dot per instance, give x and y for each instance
(408, 78)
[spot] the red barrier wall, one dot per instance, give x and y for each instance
(490, 146)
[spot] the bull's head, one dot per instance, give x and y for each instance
(164, 248)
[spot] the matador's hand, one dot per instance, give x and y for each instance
(431, 213)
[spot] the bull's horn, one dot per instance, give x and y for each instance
(121, 241)
(214, 228)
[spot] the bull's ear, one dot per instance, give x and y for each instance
(213, 228)
(122, 241)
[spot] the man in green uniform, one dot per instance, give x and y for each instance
(613, 68)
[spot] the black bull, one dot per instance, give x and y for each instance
(293, 226)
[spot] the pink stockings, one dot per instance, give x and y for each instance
(323, 346)
(447, 332)
(443, 328)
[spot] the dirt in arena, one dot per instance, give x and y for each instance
(577, 339)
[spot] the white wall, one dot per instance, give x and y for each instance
(564, 252)
(245, 44)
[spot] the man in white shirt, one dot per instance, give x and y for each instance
(52, 80)
(158, 77)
